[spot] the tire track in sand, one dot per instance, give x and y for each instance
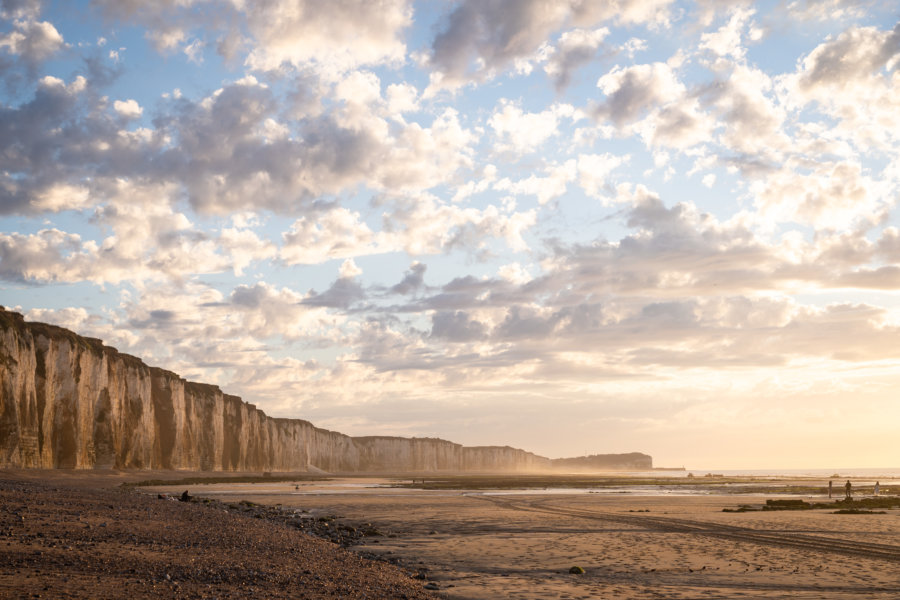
(785, 539)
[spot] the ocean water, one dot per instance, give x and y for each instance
(863, 473)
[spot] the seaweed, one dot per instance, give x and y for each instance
(786, 505)
(844, 505)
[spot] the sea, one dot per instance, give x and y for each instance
(855, 473)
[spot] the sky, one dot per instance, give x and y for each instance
(568, 226)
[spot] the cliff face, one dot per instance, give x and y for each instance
(431, 454)
(68, 401)
(602, 462)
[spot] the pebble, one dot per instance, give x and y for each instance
(157, 548)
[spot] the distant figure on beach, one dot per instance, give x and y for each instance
(877, 488)
(848, 488)
(830, 486)
(185, 497)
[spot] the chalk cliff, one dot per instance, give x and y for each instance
(68, 401)
(600, 462)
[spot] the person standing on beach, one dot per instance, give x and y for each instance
(830, 485)
(877, 488)
(848, 489)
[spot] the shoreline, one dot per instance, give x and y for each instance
(324, 537)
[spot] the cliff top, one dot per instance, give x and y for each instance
(13, 320)
(364, 438)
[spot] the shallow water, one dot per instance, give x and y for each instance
(869, 472)
(384, 488)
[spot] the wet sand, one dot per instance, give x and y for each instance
(481, 545)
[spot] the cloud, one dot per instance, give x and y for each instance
(456, 327)
(168, 38)
(227, 151)
(828, 10)
(244, 248)
(546, 188)
(623, 12)
(574, 49)
(479, 38)
(33, 143)
(349, 269)
(702, 324)
(344, 293)
(594, 171)
(826, 195)
(854, 57)
(36, 256)
(685, 311)
(413, 280)
(422, 225)
(61, 196)
(852, 80)
(681, 124)
(651, 101)
(34, 41)
(338, 233)
(632, 91)
(752, 116)
(266, 312)
(330, 37)
(122, 9)
(402, 98)
(339, 35)
(726, 41)
(129, 109)
(229, 148)
(527, 322)
(225, 154)
(147, 241)
(20, 9)
(522, 132)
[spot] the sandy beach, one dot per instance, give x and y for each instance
(79, 536)
(522, 544)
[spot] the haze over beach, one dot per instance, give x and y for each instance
(569, 227)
